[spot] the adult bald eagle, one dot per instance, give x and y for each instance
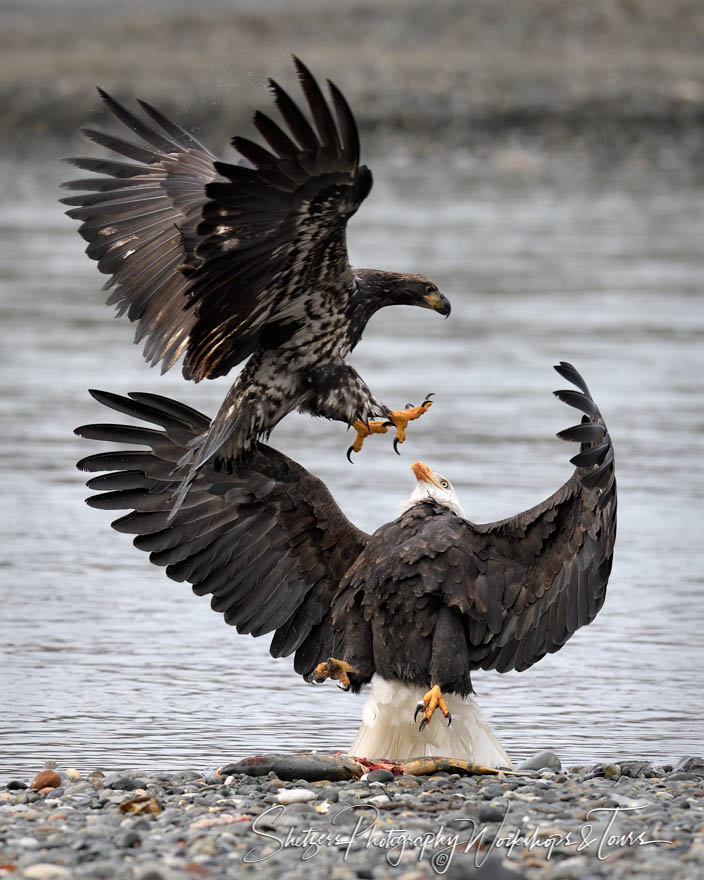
(413, 608)
(220, 262)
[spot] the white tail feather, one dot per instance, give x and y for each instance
(389, 731)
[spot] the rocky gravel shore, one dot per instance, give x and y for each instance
(619, 820)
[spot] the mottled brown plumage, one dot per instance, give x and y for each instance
(217, 262)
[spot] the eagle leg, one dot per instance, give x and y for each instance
(336, 669)
(364, 429)
(400, 419)
(431, 701)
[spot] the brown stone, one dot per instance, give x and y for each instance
(277, 783)
(46, 779)
(140, 805)
(407, 783)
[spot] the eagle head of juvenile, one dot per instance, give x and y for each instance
(431, 486)
(381, 289)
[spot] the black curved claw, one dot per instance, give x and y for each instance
(420, 705)
(349, 454)
(409, 406)
(396, 446)
(423, 723)
(344, 687)
(449, 718)
(387, 424)
(427, 398)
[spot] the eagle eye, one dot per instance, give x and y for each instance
(444, 484)
(430, 288)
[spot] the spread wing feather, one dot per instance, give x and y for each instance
(275, 233)
(268, 543)
(555, 558)
(204, 256)
(523, 585)
(140, 220)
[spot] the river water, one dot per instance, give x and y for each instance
(106, 663)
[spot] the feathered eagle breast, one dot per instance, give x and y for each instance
(421, 603)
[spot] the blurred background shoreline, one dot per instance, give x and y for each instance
(602, 82)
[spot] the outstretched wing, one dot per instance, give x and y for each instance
(268, 543)
(523, 585)
(140, 220)
(539, 576)
(217, 260)
(275, 234)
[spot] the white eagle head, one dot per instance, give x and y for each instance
(433, 487)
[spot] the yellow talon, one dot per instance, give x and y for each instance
(364, 429)
(402, 417)
(336, 669)
(397, 418)
(431, 701)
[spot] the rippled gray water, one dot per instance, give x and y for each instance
(107, 663)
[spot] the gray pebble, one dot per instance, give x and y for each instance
(150, 872)
(127, 783)
(380, 776)
(542, 761)
(107, 843)
(487, 813)
(690, 764)
(132, 838)
(681, 776)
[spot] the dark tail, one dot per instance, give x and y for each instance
(143, 480)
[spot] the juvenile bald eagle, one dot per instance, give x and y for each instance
(221, 262)
(413, 608)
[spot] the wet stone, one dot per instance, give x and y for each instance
(543, 760)
(688, 764)
(16, 785)
(488, 813)
(612, 771)
(680, 776)
(380, 776)
(125, 783)
(46, 779)
(130, 839)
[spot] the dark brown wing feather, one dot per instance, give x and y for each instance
(274, 235)
(140, 221)
(551, 564)
(206, 256)
(268, 543)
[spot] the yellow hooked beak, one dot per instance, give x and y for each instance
(424, 474)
